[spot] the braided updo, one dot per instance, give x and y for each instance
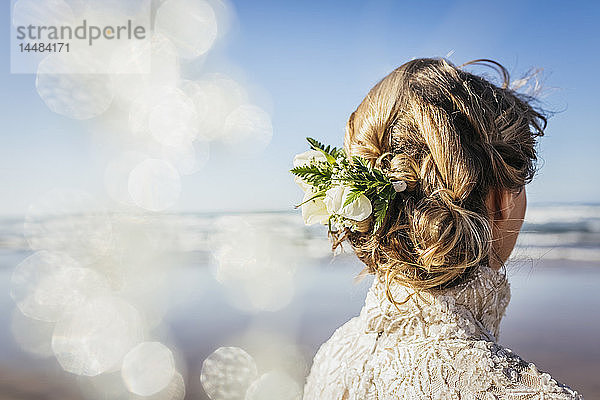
(452, 136)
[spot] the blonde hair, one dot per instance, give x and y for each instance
(452, 136)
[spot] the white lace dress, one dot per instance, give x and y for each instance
(441, 346)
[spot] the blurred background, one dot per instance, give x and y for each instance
(147, 216)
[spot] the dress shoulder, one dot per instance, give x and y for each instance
(461, 369)
(340, 358)
(435, 346)
(524, 380)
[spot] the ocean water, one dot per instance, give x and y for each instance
(262, 282)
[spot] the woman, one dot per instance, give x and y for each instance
(430, 192)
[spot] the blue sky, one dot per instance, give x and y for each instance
(314, 61)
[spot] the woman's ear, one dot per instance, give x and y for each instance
(500, 204)
(506, 209)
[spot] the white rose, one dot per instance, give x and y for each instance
(358, 210)
(314, 211)
(303, 159)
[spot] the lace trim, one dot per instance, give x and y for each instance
(472, 309)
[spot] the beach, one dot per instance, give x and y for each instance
(552, 319)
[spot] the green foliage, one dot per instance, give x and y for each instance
(320, 193)
(374, 185)
(357, 174)
(352, 196)
(317, 174)
(381, 203)
(330, 152)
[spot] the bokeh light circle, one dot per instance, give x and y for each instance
(190, 24)
(71, 86)
(136, 66)
(148, 368)
(248, 128)
(165, 114)
(95, 337)
(187, 158)
(215, 96)
(116, 175)
(227, 373)
(45, 285)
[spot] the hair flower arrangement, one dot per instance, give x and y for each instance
(341, 192)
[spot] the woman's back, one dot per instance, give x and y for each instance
(437, 346)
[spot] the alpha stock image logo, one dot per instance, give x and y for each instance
(92, 36)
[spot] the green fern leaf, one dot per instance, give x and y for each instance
(331, 153)
(352, 196)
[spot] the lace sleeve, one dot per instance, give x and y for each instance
(525, 381)
(461, 370)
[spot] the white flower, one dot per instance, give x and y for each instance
(314, 211)
(358, 210)
(308, 156)
(303, 159)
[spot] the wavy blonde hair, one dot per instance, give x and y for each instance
(452, 136)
